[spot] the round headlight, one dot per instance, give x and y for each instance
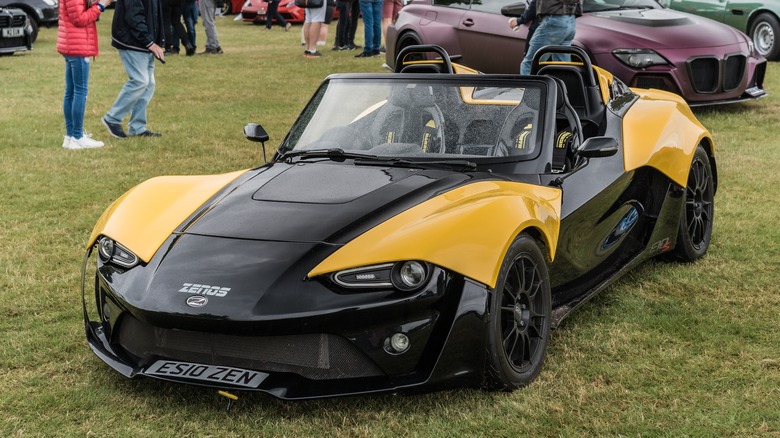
(106, 248)
(410, 275)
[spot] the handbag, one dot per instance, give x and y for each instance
(309, 3)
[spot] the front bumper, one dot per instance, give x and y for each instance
(329, 354)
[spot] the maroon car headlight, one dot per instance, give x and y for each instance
(406, 276)
(639, 58)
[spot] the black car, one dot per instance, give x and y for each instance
(413, 231)
(40, 12)
(15, 31)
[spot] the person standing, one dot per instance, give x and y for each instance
(137, 31)
(190, 14)
(77, 41)
(272, 14)
(343, 26)
(208, 13)
(390, 10)
(354, 16)
(556, 27)
(313, 19)
(529, 16)
(372, 27)
(174, 30)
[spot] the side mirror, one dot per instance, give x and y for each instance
(514, 9)
(598, 147)
(255, 132)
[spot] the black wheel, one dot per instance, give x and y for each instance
(695, 230)
(406, 40)
(519, 327)
(224, 7)
(34, 26)
(764, 32)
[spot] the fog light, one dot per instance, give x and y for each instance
(398, 343)
(106, 312)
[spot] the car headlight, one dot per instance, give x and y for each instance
(405, 276)
(639, 58)
(111, 251)
(751, 49)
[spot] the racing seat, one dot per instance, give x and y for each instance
(569, 135)
(582, 89)
(410, 115)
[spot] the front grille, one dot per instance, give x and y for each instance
(710, 74)
(705, 73)
(12, 20)
(733, 69)
(313, 356)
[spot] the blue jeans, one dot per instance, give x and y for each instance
(372, 23)
(554, 30)
(75, 101)
(137, 92)
(190, 14)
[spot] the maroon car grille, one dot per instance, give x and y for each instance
(710, 74)
(12, 20)
(313, 356)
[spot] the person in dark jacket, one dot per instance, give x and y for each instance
(529, 16)
(556, 27)
(138, 32)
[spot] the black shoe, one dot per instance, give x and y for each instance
(367, 54)
(190, 50)
(115, 129)
(148, 133)
(217, 51)
(354, 46)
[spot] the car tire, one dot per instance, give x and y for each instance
(226, 8)
(765, 31)
(406, 40)
(34, 25)
(520, 321)
(695, 229)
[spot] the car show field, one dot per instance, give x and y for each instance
(671, 349)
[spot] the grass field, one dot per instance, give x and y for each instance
(671, 350)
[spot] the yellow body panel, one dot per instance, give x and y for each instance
(467, 230)
(147, 214)
(660, 131)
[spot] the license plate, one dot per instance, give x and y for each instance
(213, 374)
(11, 32)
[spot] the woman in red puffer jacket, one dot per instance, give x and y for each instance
(77, 41)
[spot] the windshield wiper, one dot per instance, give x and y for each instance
(335, 154)
(457, 165)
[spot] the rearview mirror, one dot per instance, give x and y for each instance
(514, 9)
(255, 132)
(598, 147)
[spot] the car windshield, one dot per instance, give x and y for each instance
(412, 118)
(616, 5)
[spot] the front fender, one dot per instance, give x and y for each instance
(147, 214)
(668, 149)
(467, 230)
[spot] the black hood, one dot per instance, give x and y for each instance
(320, 201)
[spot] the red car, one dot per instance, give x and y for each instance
(253, 11)
(638, 41)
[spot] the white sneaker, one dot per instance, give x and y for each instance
(66, 142)
(85, 142)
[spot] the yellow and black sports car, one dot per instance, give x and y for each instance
(413, 231)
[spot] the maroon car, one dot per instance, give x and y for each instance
(640, 42)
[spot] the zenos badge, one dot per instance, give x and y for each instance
(197, 301)
(204, 289)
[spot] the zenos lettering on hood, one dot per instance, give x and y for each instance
(204, 289)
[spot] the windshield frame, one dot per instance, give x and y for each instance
(543, 113)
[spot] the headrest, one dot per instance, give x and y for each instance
(411, 96)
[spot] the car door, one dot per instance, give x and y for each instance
(487, 42)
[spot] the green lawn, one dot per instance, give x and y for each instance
(671, 350)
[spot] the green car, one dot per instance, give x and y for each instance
(759, 19)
